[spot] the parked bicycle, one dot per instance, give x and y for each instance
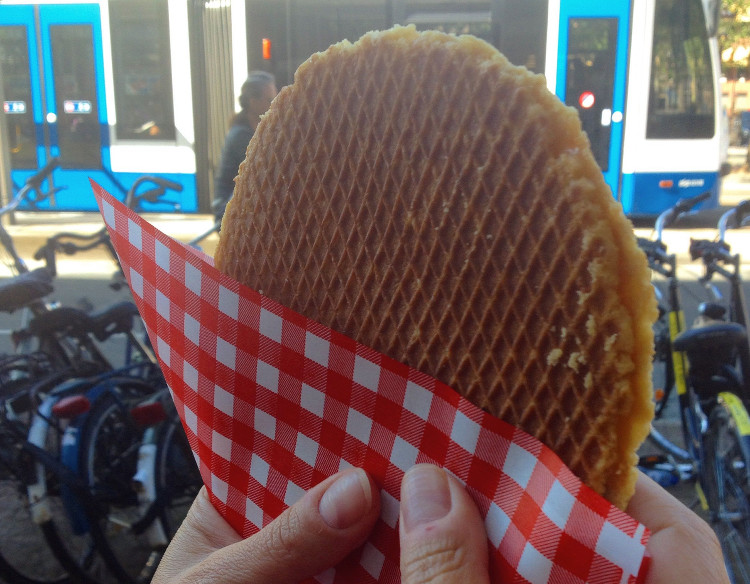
(71, 438)
(719, 356)
(670, 366)
(707, 366)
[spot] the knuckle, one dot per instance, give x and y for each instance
(283, 534)
(439, 560)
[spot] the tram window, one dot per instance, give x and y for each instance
(522, 30)
(299, 29)
(478, 24)
(590, 79)
(78, 135)
(142, 70)
(681, 96)
(267, 20)
(317, 25)
(18, 107)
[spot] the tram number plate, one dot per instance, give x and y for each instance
(77, 106)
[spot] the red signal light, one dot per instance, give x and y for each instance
(587, 100)
(267, 49)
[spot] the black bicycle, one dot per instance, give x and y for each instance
(77, 441)
(719, 357)
(706, 366)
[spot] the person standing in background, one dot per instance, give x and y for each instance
(256, 95)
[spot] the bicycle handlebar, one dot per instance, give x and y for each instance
(152, 195)
(734, 218)
(656, 252)
(709, 250)
(38, 178)
(54, 244)
(32, 184)
(671, 215)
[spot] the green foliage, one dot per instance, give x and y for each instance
(734, 31)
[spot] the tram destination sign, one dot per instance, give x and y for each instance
(14, 107)
(77, 106)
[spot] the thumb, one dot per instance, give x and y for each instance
(314, 534)
(443, 540)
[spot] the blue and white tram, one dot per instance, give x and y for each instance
(107, 86)
(119, 88)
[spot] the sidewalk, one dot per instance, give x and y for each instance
(31, 230)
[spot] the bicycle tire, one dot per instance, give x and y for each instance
(25, 557)
(727, 488)
(32, 553)
(108, 460)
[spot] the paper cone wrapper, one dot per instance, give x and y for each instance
(273, 403)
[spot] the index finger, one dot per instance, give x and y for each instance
(683, 548)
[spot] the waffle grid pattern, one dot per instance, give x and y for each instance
(424, 206)
(273, 403)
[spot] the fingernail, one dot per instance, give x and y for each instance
(347, 500)
(425, 496)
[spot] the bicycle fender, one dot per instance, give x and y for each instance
(69, 457)
(679, 362)
(37, 492)
(145, 484)
(741, 418)
(738, 412)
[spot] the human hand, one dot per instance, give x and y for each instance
(317, 532)
(442, 536)
(683, 547)
(443, 540)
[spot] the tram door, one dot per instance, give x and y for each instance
(51, 59)
(591, 75)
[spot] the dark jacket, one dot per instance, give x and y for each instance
(232, 156)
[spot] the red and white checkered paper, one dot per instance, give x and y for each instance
(273, 403)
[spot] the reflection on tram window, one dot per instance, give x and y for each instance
(17, 104)
(142, 70)
(681, 100)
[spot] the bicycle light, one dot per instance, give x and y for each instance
(148, 414)
(71, 406)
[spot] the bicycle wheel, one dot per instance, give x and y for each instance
(31, 552)
(108, 459)
(25, 557)
(727, 490)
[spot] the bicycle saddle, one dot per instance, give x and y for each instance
(25, 289)
(712, 310)
(65, 319)
(117, 318)
(710, 337)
